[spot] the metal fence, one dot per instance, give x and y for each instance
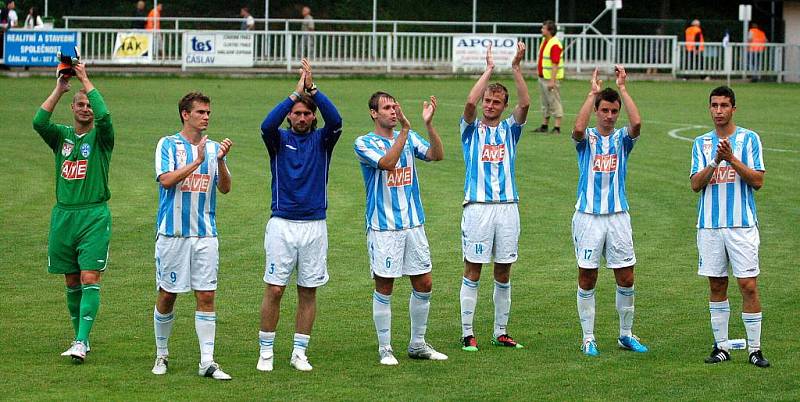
(384, 51)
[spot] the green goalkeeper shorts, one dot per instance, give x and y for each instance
(78, 240)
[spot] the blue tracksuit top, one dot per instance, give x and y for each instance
(299, 162)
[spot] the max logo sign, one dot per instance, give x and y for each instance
(723, 174)
(74, 170)
(196, 183)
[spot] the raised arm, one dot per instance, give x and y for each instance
(436, 151)
(389, 161)
(41, 120)
(524, 98)
(633, 112)
(582, 120)
(102, 117)
(224, 182)
(479, 88)
(331, 116)
(271, 123)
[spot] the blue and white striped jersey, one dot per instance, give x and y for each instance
(188, 208)
(393, 200)
(727, 201)
(602, 167)
(490, 155)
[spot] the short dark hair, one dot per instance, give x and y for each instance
(608, 95)
(376, 97)
(723, 91)
(550, 25)
(498, 87)
(308, 101)
(185, 104)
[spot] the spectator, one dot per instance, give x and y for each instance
(141, 14)
(33, 20)
(249, 23)
(550, 69)
(306, 48)
(154, 18)
(756, 44)
(694, 37)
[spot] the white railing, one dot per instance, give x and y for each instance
(387, 50)
(735, 59)
(287, 24)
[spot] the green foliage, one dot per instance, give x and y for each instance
(671, 309)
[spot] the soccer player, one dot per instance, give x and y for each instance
(727, 169)
(80, 225)
(190, 169)
(296, 234)
(601, 224)
(490, 220)
(396, 239)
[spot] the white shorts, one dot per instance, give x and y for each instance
(186, 263)
(302, 244)
(609, 235)
(490, 231)
(717, 247)
(394, 253)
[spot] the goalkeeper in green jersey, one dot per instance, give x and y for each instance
(80, 224)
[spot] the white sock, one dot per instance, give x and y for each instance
(625, 309)
(266, 340)
(162, 323)
(469, 299)
(720, 314)
(586, 312)
(205, 324)
(752, 325)
(300, 344)
(382, 315)
(419, 304)
(502, 307)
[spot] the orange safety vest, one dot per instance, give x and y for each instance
(757, 40)
(694, 35)
(153, 20)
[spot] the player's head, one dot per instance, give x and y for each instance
(382, 109)
(244, 11)
(306, 11)
(549, 28)
(303, 116)
(194, 110)
(140, 5)
(81, 109)
(495, 100)
(722, 104)
(606, 107)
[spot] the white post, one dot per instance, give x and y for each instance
(556, 17)
(745, 14)
(45, 7)
(474, 15)
(374, 47)
(266, 52)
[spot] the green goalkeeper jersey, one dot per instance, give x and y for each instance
(81, 161)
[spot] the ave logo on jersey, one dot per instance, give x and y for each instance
(86, 149)
(67, 148)
(723, 174)
(605, 163)
(196, 183)
(399, 177)
(74, 170)
(493, 153)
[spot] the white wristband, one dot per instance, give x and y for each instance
(713, 164)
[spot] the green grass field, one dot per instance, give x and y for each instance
(671, 315)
